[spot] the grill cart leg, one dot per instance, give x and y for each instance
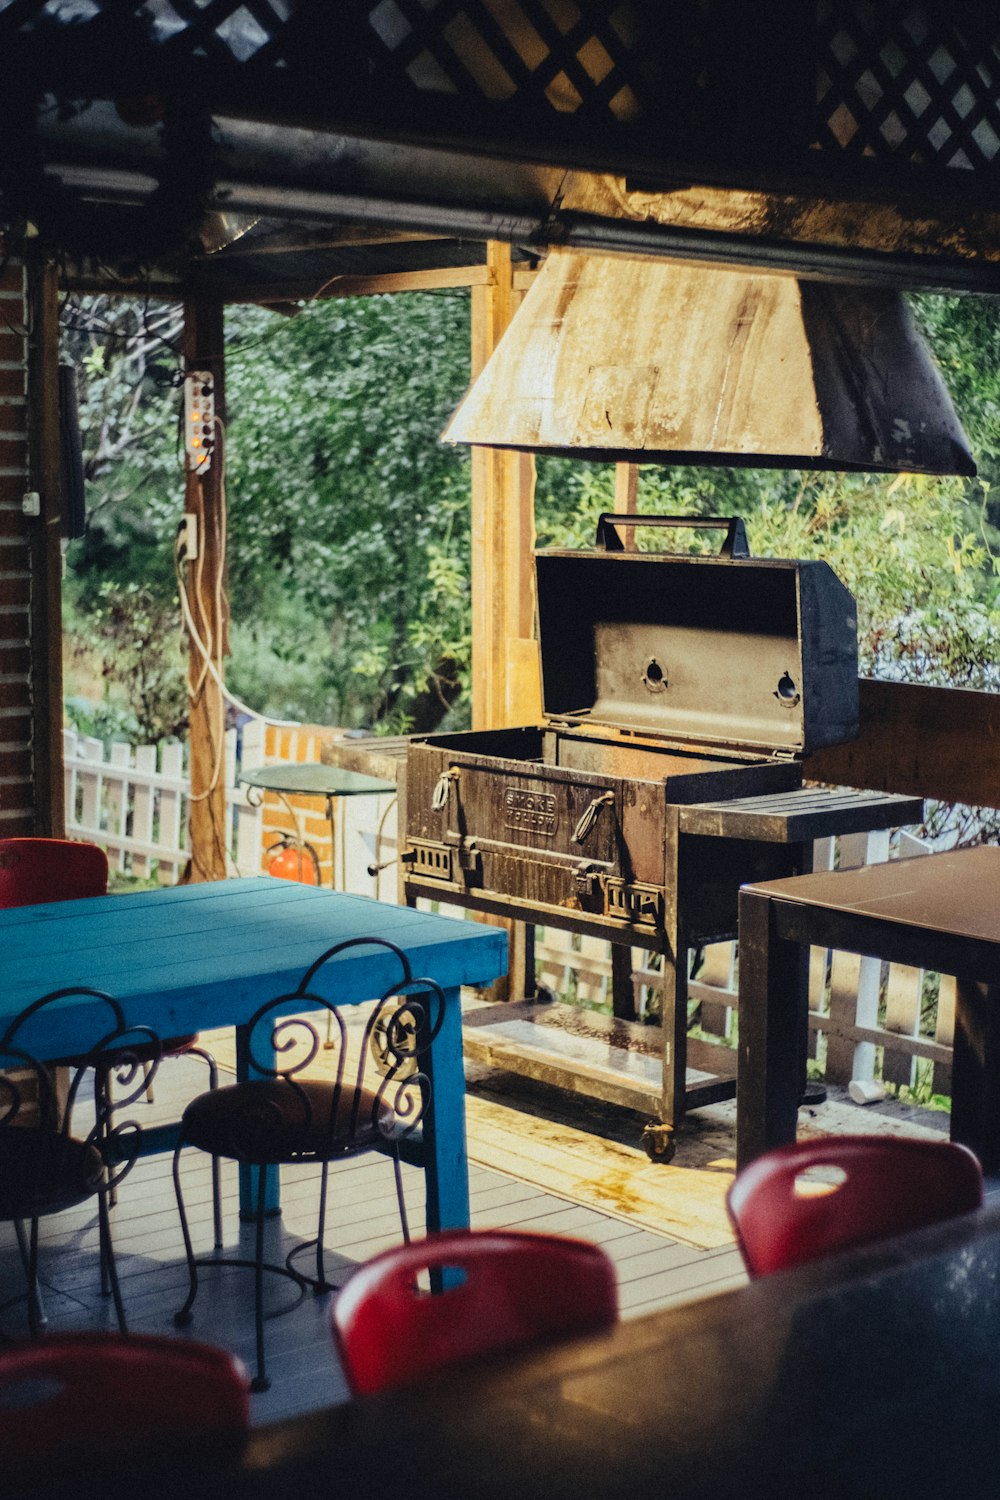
(658, 1136)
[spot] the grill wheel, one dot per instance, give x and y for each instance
(658, 1142)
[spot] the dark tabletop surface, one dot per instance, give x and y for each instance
(956, 892)
(876, 1374)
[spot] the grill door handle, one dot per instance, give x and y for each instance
(589, 818)
(439, 800)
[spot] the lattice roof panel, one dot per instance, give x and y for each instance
(912, 81)
(798, 95)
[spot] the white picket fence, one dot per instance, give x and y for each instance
(133, 800)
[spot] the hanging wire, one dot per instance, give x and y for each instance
(205, 649)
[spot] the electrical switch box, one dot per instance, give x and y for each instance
(199, 420)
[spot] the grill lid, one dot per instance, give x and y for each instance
(728, 650)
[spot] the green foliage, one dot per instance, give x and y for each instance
(964, 333)
(349, 525)
(133, 636)
(282, 658)
(341, 496)
(126, 357)
(349, 520)
(108, 719)
(570, 496)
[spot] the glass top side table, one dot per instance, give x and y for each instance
(312, 779)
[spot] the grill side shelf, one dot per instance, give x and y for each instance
(796, 817)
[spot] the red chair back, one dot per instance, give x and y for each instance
(93, 1394)
(518, 1289)
(35, 870)
(885, 1185)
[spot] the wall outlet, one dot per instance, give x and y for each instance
(187, 536)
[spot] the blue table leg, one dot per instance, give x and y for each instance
(445, 1155)
(249, 1175)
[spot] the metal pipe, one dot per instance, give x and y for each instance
(320, 177)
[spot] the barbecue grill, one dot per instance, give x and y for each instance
(681, 694)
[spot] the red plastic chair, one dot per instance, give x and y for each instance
(37, 870)
(34, 870)
(880, 1186)
(518, 1289)
(90, 1395)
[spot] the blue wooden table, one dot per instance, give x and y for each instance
(192, 958)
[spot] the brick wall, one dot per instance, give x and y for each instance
(16, 786)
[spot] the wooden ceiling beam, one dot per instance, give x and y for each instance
(294, 241)
(368, 286)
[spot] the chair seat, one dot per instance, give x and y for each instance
(274, 1122)
(42, 1172)
(177, 1044)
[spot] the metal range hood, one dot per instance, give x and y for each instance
(653, 361)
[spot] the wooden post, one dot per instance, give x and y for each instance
(626, 493)
(622, 988)
(505, 677)
(206, 579)
(505, 672)
(45, 548)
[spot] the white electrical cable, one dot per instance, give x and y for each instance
(205, 650)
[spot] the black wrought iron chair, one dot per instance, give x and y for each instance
(39, 869)
(362, 1098)
(44, 1167)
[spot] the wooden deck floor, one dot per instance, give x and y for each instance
(653, 1269)
(538, 1161)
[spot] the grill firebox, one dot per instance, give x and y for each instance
(681, 694)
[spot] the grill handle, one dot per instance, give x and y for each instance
(590, 816)
(735, 544)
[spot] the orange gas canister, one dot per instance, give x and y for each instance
(295, 862)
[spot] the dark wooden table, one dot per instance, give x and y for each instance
(940, 913)
(874, 1374)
